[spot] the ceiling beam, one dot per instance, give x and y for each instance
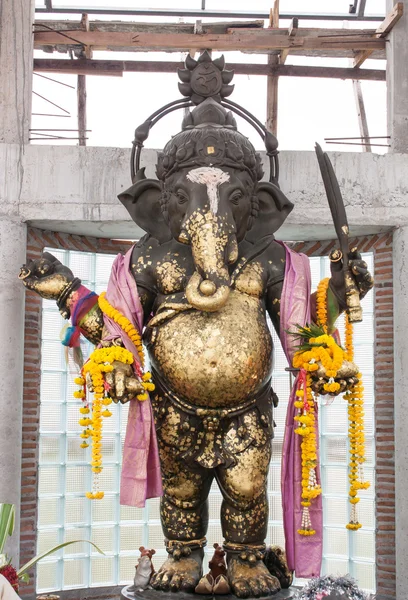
(118, 67)
(227, 14)
(262, 41)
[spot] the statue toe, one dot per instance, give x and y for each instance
(188, 584)
(241, 588)
(273, 584)
(176, 582)
(166, 580)
(255, 587)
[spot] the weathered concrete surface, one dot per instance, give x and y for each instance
(75, 190)
(16, 59)
(13, 237)
(400, 261)
(397, 81)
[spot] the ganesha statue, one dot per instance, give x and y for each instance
(199, 287)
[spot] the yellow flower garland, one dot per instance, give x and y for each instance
(356, 435)
(99, 363)
(124, 323)
(321, 303)
(325, 350)
(305, 417)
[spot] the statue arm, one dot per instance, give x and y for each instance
(336, 293)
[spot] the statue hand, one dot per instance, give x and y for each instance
(46, 276)
(123, 386)
(346, 377)
(358, 269)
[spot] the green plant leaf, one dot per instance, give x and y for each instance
(7, 518)
(22, 570)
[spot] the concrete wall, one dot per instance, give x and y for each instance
(74, 190)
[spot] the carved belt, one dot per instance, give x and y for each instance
(211, 437)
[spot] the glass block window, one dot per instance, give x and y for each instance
(64, 473)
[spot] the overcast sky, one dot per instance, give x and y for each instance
(309, 109)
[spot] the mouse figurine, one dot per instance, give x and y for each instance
(216, 581)
(144, 570)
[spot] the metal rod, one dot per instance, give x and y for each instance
(47, 115)
(47, 135)
(43, 139)
(361, 137)
(89, 130)
(53, 103)
(55, 80)
(361, 8)
(182, 12)
(359, 144)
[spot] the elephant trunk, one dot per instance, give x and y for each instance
(213, 246)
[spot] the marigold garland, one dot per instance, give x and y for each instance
(305, 418)
(323, 349)
(355, 400)
(99, 363)
(321, 300)
(124, 323)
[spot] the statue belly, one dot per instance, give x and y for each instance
(216, 358)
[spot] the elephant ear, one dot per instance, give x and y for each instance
(142, 201)
(274, 207)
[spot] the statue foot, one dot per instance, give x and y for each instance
(182, 574)
(251, 580)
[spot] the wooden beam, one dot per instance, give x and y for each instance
(132, 27)
(81, 103)
(272, 84)
(381, 32)
(362, 116)
(390, 20)
(85, 27)
(262, 41)
(293, 27)
(117, 67)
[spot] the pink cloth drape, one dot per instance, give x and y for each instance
(304, 554)
(141, 477)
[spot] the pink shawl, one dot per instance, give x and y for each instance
(304, 554)
(141, 477)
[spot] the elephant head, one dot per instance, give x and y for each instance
(208, 196)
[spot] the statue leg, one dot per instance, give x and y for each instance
(244, 519)
(184, 518)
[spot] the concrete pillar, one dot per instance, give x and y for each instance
(397, 82)
(16, 60)
(16, 69)
(400, 262)
(13, 236)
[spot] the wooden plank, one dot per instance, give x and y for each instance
(85, 27)
(383, 30)
(362, 116)
(262, 41)
(128, 26)
(361, 57)
(292, 30)
(81, 103)
(272, 84)
(390, 20)
(117, 67)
